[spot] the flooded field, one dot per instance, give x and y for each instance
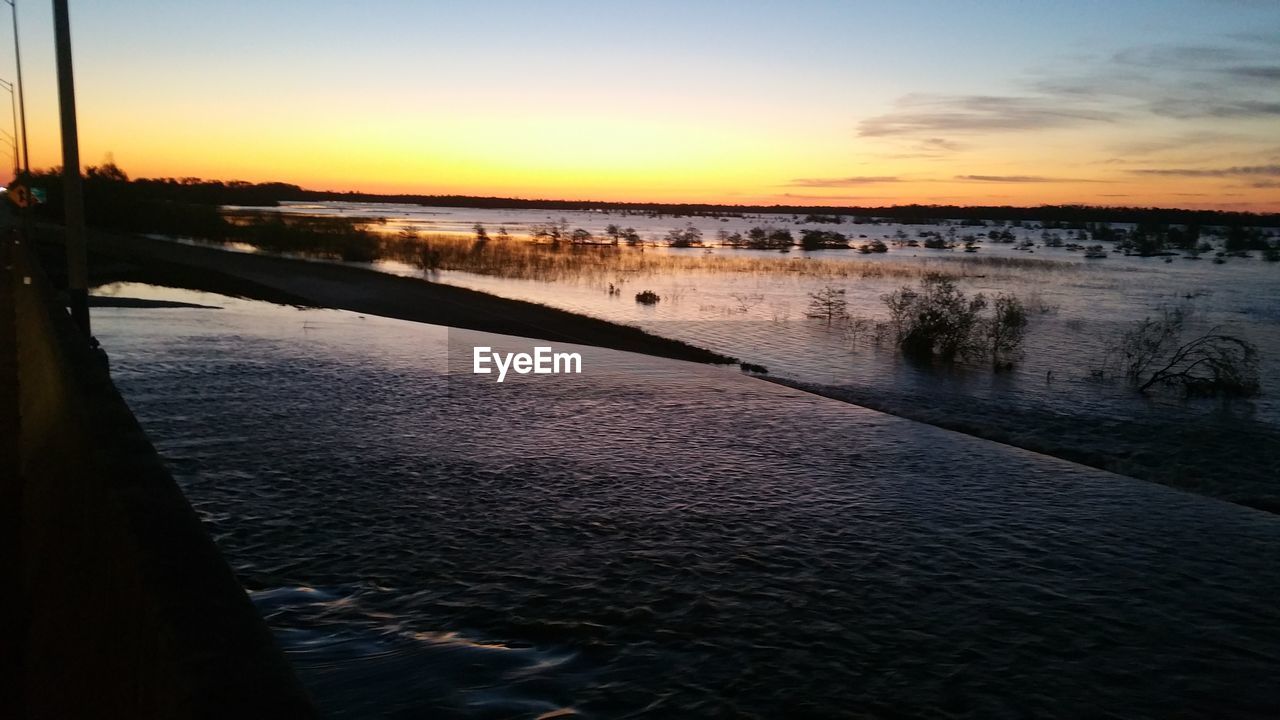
(753, 304)
(661, 539)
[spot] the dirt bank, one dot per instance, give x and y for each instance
(327, 285)
(1232, 459)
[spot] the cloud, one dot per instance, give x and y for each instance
(1184, 141)
(1020, 179)
(1269, 73)
(934, 114)
(1265, 184)
(1181, 108)
(1238, 171)
(940, 145)
(843, 182)
(800, 196)
(1185, 56)
(1234, 79)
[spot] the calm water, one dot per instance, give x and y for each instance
(660, 539)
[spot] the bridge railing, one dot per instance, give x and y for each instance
(127, 609)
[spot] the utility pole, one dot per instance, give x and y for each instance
(13, 143)
(22, 103)
(72, 183)
(13, 105)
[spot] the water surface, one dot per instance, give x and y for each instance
(661, 539)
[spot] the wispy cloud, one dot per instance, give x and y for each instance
(1238, 171)
(801, 196)
(1022, 179)
(1267, 73)
(1182, 108)
(843, 182)
(940, 145)
(1235, 78)
(1180, 142)
(935, 114)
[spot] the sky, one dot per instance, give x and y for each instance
(839, 102)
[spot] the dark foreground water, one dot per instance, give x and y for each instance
(657, 539)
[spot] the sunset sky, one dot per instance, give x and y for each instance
(1168, 102)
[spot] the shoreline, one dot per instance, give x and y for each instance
(111, 301)
(1186, 457)
(303, 283)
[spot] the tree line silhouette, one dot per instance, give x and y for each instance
(110, 194)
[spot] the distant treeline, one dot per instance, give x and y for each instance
(110, 180)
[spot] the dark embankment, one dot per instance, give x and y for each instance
(128, 302)
(1230, 459)
(117, 604)
(328, 285)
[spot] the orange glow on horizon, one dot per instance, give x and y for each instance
(642, 157)
(642, 103)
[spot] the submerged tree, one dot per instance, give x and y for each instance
(828, 304)
(819, 239)
(689, 236)
(936, 318)
(1153, 354)
(1004, 331)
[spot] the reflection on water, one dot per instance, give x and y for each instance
(1079, 306)
(360, 663)
(661, 539)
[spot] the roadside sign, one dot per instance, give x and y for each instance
(20, 195)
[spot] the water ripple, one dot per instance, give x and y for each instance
(655, 539)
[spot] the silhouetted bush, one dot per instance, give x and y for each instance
(830, 219)
(328, 237)
(822, 239)
(688, 236)
(1004, 331)
(768, 238)
(828, 304)
(936, 319)
(1153, 354)
(648, 297)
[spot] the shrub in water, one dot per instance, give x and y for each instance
(1153, 354)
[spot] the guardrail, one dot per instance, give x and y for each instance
(121, 603)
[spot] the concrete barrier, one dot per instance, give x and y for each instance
(126, 607)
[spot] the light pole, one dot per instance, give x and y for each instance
(13, 105)
(14, 144)
(22, 103)
(72, 183)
